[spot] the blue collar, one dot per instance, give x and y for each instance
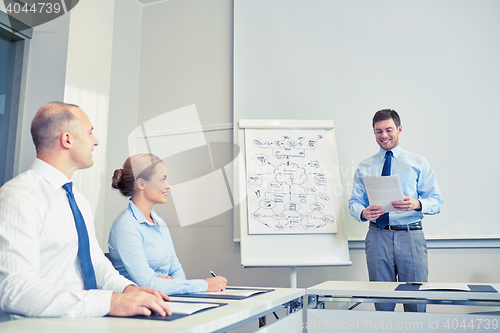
(396, 151)
(139, 216)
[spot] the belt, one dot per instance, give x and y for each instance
(406, 227)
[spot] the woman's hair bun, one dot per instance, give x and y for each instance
(117, 178)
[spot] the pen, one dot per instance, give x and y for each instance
(213, 274)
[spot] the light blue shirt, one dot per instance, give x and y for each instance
(142, 251)
(417, 181)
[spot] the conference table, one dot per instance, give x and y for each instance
(347, 295)
(288, 303)
(221, 319)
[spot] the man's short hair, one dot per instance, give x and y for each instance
(384, 115)
(50, 122)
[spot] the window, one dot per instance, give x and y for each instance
(13, 60)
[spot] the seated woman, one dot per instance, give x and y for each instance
(140, 245)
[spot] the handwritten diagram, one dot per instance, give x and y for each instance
(289, 189)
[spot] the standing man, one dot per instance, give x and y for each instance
(50, 261)
(395, 245)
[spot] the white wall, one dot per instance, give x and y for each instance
(124, 101)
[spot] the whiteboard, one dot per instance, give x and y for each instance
(296, 214)
(344, 60)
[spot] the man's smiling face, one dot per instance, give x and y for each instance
(387, 134)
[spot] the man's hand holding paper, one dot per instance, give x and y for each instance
(371, 213)
(408, 203)
(385, 195)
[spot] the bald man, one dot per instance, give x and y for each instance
(42, 273)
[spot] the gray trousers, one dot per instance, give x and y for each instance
(396, 256)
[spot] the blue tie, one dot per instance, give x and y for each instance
(383, 220)
(83, 240)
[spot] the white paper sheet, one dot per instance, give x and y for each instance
(383, 190)
(189, 308)
(445, 286)
(233, 292)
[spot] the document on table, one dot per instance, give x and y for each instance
(234, 292)
(228, 293)
(383, 190)
(440, 286)
(445, 286)
(189, 307)
(181, 310)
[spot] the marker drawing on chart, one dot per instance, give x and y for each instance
(289, 188)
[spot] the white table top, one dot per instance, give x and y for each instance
(207, 321)
(387, 289)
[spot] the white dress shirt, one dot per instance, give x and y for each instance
(40, 271)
